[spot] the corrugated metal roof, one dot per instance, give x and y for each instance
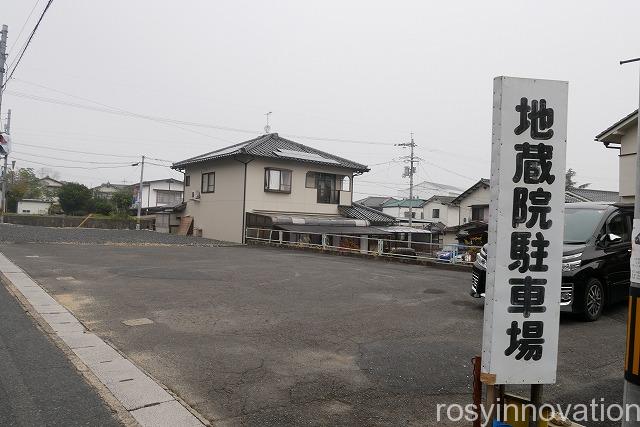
(404, 229)
(274, 146)
(332, 229)
(359, 211)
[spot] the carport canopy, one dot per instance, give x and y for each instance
(332, 229)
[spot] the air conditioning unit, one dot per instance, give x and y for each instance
(195, 195)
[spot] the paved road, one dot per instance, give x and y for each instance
(38, 384)
(268, 336)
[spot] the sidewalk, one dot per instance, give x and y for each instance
(38, 384)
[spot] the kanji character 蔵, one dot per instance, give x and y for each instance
(533, 162)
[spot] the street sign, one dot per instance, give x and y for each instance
(526, 226)
(5, 144)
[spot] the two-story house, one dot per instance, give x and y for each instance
(440, 209)
(473, 215)
(159, 192)
(107, 190)
(269, 176)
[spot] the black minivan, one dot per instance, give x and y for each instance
(595, 261)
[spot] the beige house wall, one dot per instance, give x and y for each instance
(301, 199)
(627, 169)
(219, 214)
(448, 213)
(480, 196)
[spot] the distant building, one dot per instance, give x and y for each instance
(159, 192)
(374, 202)
(427, 189)
(33, 207)
(400, 208)
(106, 190)
(50, 188)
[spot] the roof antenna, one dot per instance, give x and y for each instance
(267, 128)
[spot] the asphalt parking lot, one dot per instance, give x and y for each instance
(269, 336)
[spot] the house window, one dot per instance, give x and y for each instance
(208, 182)
(277, 180)
(310, 180)
(477, 213)
(187, 180)
(344, 183)
(327, 191)
(168, 197)
(406, 214)
(435, 213)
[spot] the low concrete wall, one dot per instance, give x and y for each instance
(407, 260)
(74, 221)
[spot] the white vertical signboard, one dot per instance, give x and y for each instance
(526, 226)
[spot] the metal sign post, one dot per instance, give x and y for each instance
(526, 226)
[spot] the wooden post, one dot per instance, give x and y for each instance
(536, 399)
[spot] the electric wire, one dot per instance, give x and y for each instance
(71, 167)
(74, 151)
(26, 45)
(23, 27)
(70, 160)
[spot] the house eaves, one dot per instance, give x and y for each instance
(613, 134)
(483, 183)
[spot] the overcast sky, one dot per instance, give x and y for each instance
(350, 70)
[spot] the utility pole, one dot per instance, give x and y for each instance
(631, 381)
(7, 130)
(3, 58)
(140, 194)
(410, 171)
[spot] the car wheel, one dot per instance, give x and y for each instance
(593, 300)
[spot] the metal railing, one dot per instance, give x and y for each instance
(438, 252)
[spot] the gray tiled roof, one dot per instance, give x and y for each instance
(589, 195)
(374, 201)
(358, 211)
(274, 146)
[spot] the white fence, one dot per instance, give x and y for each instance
(445, 253)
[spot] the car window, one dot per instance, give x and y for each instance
(619, 225)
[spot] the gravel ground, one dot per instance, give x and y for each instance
(10, 233)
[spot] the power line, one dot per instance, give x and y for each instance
(74, 151)
(23, 27)
(73, 161)
(121, 112)
(72, 167)
(26, 45)
(128, 113)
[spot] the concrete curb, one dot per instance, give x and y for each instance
(130, 392)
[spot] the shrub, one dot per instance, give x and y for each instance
(75, 199)
(103, 207)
